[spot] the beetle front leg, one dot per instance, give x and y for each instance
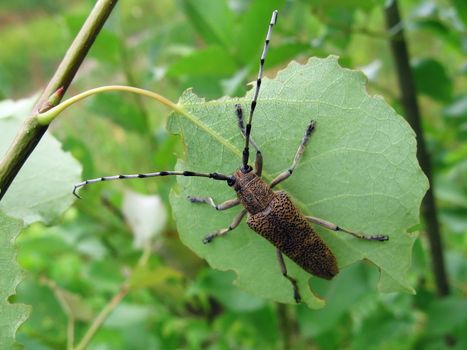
(298, 155)
(334, 227)
(208, 200)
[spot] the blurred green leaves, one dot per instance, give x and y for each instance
(432, 80)
(233, 42)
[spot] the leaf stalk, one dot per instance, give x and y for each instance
(47, 117)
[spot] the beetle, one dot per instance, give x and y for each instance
(272, 214)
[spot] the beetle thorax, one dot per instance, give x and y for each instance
(253, 192)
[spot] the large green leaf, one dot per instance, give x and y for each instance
(359, 171)
(11, 315)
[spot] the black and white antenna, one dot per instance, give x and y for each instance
(230, 179)
(215, 176)
(246, 151)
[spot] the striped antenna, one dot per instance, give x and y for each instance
(216, 176)
(246, 151)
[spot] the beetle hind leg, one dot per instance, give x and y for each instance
(293, 281)
(334, 227)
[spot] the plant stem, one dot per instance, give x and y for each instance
(31, 133)
(409, 101)
(47, 117)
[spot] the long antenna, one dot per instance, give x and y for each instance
(216, 176)
(246, 151)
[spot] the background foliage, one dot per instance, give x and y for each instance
(100, 247)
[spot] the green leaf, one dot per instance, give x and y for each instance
(349, 5)
(349, 288)
(212, 19)
(211, 61)
(252, 31)
(457, 110)
(461, 9)
(11, 315)
(432, 79)
(359, 171)
(42, 189)
(446, 314)
(218, 284)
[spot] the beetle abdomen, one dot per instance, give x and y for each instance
(286, 227)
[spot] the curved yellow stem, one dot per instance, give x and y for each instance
(47, 117)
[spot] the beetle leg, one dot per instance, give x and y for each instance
(208, 200)
(296, 293)
(286, 174)
(334, 227)
(236, 221)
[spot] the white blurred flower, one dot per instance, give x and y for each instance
(146, 216)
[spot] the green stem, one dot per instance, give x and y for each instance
(47, 117)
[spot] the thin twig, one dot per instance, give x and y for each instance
(99, 320)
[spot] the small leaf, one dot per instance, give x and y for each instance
(11, 315)
(359, 171)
